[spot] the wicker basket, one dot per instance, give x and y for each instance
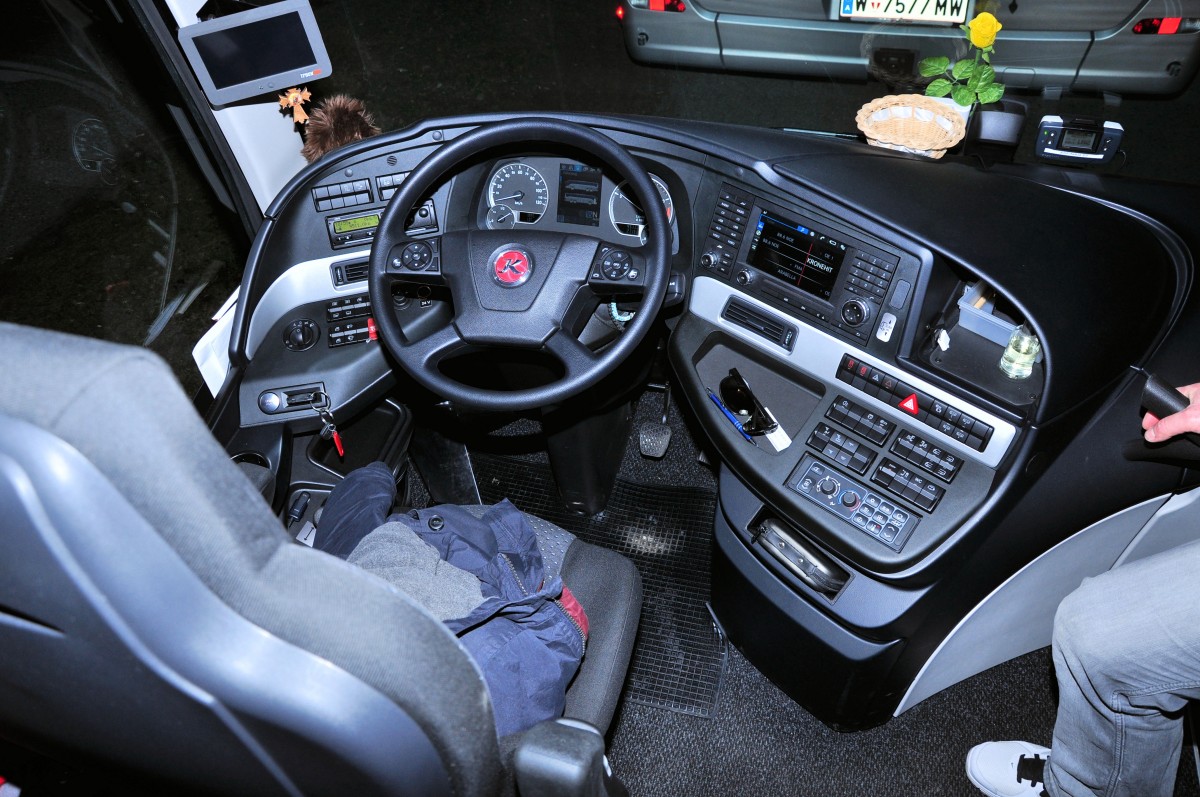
(911, 123)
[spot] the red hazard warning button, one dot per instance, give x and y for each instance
(909, 404)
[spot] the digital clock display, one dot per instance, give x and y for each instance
(342, 226)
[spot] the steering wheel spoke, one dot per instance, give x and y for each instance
(439, 345)
(575, 357)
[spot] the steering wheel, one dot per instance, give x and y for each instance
(517, 288)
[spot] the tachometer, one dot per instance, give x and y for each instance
(522, 188)
(501, 217)
(627, 215)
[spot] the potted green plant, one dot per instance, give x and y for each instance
(971, 83)
(968, 81)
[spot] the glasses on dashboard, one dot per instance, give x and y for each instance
(741, 401)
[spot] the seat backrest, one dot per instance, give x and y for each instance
(155, 616)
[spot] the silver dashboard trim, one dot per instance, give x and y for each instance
(819, 355)
(303, 283)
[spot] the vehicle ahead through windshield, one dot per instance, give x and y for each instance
(1130, 47)
(759, 362)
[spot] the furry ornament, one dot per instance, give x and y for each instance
(335, 122)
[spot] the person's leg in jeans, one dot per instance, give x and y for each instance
(1127, 658)
(356, 506)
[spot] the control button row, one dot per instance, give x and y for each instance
(862, 508)
(348, 307)
(794, 298)
(389, 184)
(934, 413)
(860, 420)
(342, 195)
(841, 448)
(880, 518)
(873, 266)
(360, 330)
(907, 484)
(864, 287)
(918, 451)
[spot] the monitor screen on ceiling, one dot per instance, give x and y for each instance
(264, 50)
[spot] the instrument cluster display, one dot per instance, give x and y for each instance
(546, 192)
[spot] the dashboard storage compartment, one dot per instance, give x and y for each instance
(966, 344)
(799, 556)
(976, 312)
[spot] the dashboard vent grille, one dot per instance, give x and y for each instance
(345, 273)
(758, 322)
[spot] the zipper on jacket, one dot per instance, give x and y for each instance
(513, 569)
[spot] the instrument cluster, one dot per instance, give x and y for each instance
(552, 193)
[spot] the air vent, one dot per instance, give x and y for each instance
(346, 273)
(758, 322)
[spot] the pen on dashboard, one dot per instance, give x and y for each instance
(732, 418)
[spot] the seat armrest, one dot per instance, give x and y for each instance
(564, 758)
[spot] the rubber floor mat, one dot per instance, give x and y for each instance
(679, 657)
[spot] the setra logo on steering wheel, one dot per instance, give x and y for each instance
(512, 266)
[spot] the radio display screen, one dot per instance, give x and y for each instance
(799, 256)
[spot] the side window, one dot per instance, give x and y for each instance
(107, 227)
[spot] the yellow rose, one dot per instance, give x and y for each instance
(983, 30)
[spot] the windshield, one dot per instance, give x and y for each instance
(580, 57)
(117, 223)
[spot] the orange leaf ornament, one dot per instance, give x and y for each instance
(295, 99)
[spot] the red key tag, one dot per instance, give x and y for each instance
(329, 430)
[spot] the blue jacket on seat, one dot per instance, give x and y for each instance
(524, 641)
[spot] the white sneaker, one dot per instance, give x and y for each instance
(1008, 769)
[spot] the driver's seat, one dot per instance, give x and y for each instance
(157, 621)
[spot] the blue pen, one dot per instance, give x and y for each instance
(732, 418)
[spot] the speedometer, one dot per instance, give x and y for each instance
(520, 187)
(627, 215)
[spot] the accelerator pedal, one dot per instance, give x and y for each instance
(655, 438)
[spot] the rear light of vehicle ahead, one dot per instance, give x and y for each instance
(655, 5)
(1165, 25)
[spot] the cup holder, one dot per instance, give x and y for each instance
(257, 469)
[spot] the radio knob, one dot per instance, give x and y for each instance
(855, 312)
(708, 260)
(744, 277)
